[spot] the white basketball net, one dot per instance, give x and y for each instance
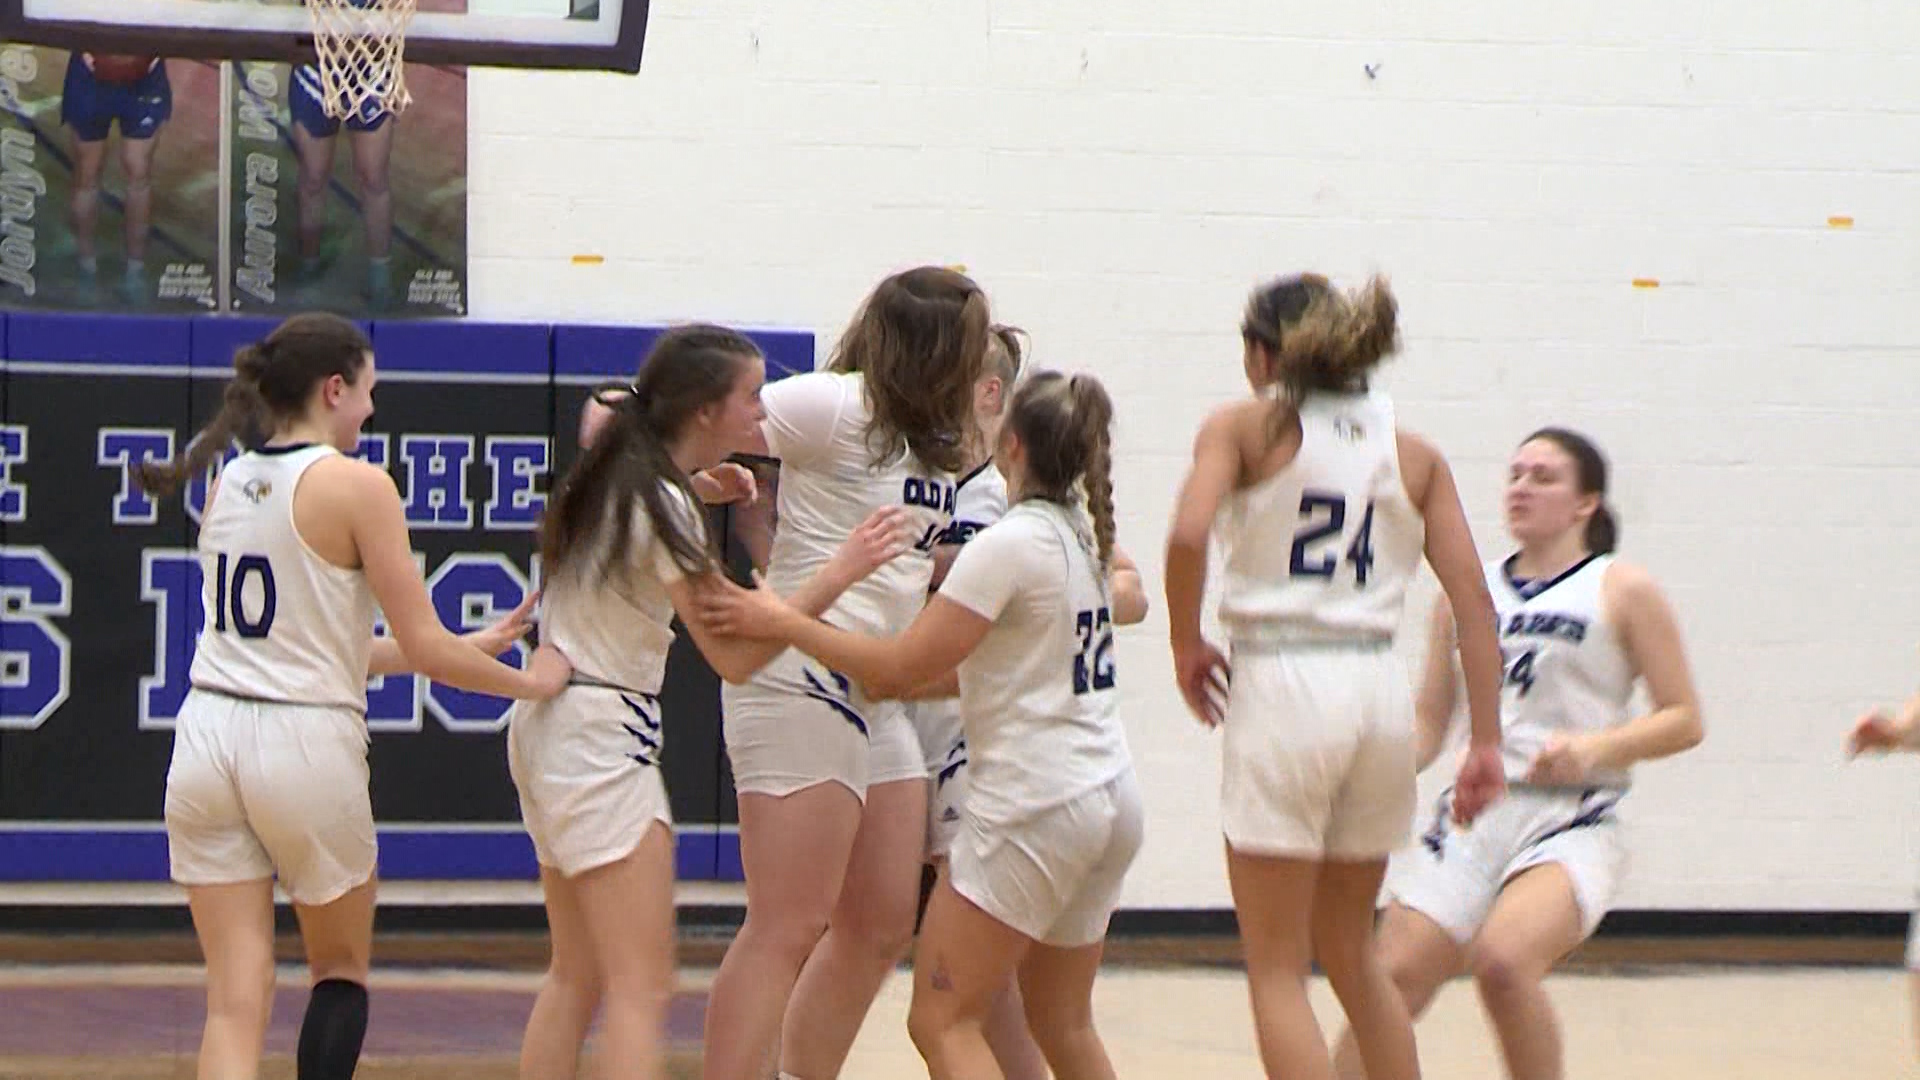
(361, 46)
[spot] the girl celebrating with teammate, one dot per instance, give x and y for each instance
(1023, 628)
(1578, 628)
(980, 501)
(627, 547)
(1328, 508)
(298, 543)
(832, 783)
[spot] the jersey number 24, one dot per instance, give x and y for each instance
(1326, 517)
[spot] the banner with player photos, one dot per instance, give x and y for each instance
(109, 182)
(366, 214)
(113, 197)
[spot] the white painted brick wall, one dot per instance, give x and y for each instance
(1120, 172)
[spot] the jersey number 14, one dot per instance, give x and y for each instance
(1326, 516)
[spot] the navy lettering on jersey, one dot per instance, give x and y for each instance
(935, 495)
(960, 532)
(1546, 624)
(1093, 664)
(1517, 668)
(1359, 553)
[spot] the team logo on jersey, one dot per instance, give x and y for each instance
(1349, 429)
(257, 490)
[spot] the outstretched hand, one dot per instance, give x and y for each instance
(509, 628)
(1875, 733)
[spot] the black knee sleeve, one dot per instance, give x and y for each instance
(334, 1027)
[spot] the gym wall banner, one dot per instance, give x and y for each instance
(113, 198)
(102, 601)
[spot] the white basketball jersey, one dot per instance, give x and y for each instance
(618, 629)
(1566, 672)
(980, 501)
(817, 426)
(281, 623)
(1037, 694)
(1325, 548)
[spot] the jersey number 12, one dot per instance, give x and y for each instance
(230, 582)
(1093, 664)
(1326, 514)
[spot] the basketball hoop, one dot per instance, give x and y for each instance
(362, 47)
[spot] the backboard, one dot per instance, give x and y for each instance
(601, 35)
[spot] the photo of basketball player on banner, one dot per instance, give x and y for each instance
(122, 194)
(364, 220)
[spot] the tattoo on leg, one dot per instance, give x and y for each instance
(940, 980)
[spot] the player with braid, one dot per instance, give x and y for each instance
(1022, 628)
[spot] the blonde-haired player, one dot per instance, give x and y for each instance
(1329, 506)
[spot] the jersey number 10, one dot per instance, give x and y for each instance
(1313, 505)
(230, 585)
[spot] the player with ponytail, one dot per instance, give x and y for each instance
(298, 543)
(1022, 628)
(1327, 507)
(626, 548)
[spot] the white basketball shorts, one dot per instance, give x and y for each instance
(586, 765)
(1318, 754)
(259, 789)
(1055, 876)
(797, 724)
(946, 799)
(1453, 876)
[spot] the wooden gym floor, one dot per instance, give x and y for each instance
(128, 1007)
